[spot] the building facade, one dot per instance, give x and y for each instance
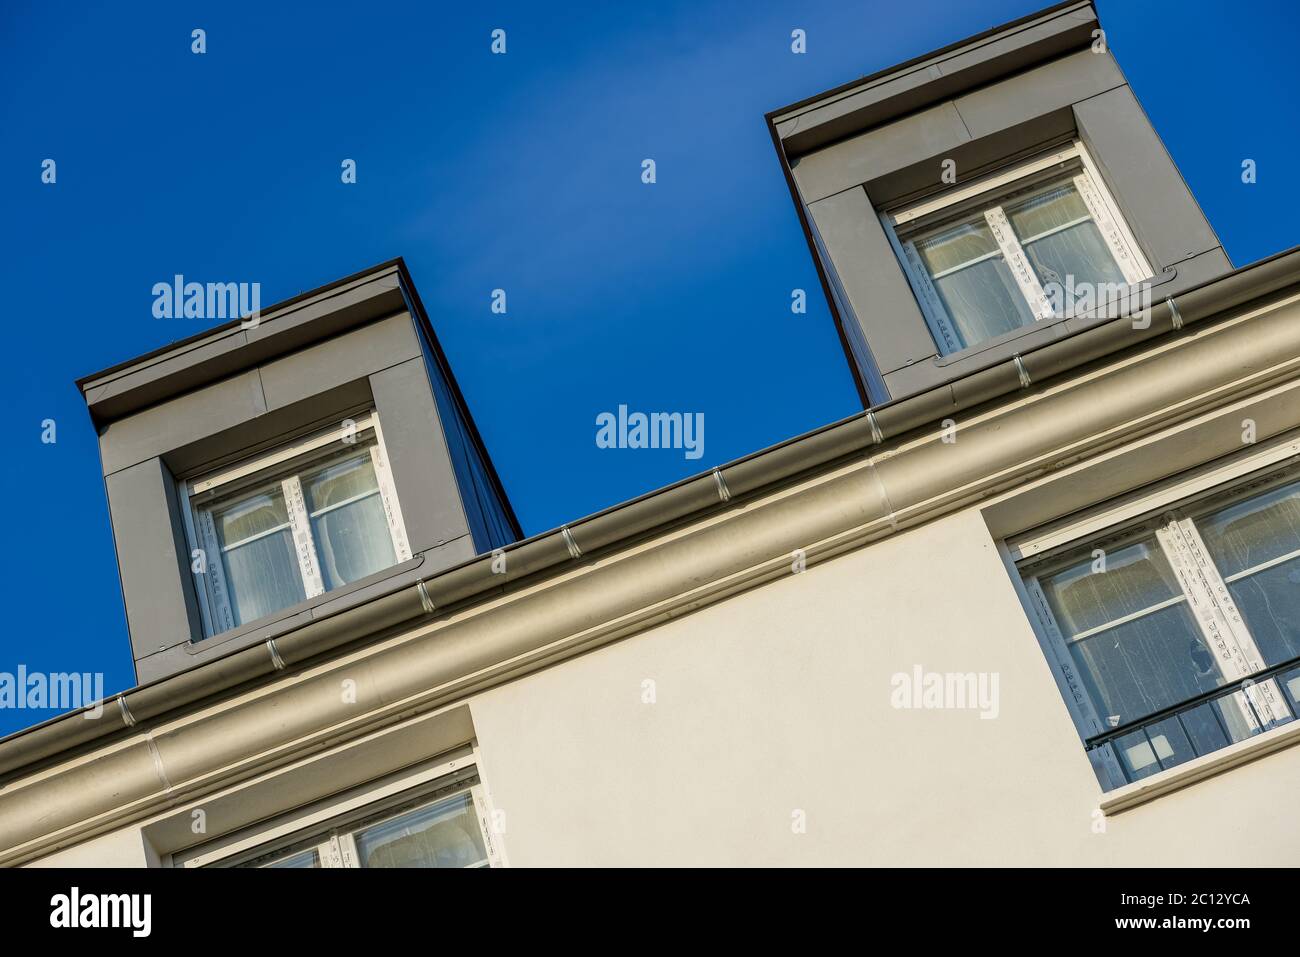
(1038, 604)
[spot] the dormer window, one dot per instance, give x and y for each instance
(1040, 241)
(293, 523)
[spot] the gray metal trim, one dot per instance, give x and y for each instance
(228, 350)
(940, 74)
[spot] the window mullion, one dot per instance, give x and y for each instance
(1265, 696)
(348, 856)
(931, 304)
(1018, 263)
(1061, 651)
(1080, 702)
(216, 584)
(1109, 224)
(303, 544)
(1188, 559)
(1214, 626)
(392, 510)
(331, 854)
(484, 815)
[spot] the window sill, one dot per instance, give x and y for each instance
(1175, 779)
(318, 606)
(997, 344)
(1113, 308)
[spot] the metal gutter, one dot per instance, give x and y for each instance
(657, 511)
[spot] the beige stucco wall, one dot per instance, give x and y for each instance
(123, 848)
(780, 699)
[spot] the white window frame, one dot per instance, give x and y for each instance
(1092, 189)
(213, 592)
(327, 827)
(1176, 502)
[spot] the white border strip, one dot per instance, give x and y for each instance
(1046, 538)
(982, 185)
(294, 449)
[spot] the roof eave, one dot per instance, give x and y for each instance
(941, 74)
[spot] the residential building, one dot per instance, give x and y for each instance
(1037, 604)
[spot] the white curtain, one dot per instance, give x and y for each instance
(445, 834)
(1057, 250)
(1155, 658)
(979, 294)
(261, 568)
(348, 521)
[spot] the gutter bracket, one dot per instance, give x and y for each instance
(1175, 316)
(425, 600)
(1025, 381)
(275, 654)
(724, 493)
(127, 716)
(877, 437)
(574, 551)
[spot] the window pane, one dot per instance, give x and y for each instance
(1289, 683)
(1046, 210)
(258, 556)
(1146, 664)
(1241, 716)
(1154, 748)
(1269, 601)
(1129, 631)
(340, 480)
(1206, 728)
(956, 246)
(246, 518)
(444, 834)
(308, 858)
(348, 521)
(1254, 545)
(972, 279)
(1139, 757)
(1061, 240)
(1169, 740)
(1135, 578)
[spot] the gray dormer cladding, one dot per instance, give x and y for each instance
(984, 104)
(232, 393)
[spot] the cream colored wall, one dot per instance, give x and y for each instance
(124, 848)
(779, 699)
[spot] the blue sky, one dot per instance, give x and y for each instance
(519, 172)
